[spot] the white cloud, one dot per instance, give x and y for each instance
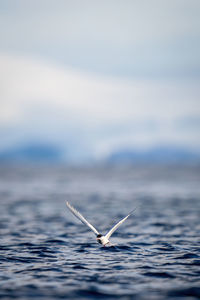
(45, 100)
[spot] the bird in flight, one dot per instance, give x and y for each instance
(101, 239)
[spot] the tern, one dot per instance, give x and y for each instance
(101, 239)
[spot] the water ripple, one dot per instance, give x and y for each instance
(46, 253)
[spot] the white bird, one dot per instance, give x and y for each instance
(102, 239)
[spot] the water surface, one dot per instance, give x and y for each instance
(46, 253)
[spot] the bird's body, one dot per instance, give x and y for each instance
(101, 239)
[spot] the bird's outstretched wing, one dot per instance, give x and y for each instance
(81, 218)
(108, 235)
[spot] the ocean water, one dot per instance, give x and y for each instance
(46, 253)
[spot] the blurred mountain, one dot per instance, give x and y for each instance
(42, 153)
(154, 155)
(31, 153)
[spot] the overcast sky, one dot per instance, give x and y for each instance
(100, 75)
(125, 38)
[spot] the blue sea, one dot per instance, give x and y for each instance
(46, 253)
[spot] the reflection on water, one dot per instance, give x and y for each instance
(45, 252)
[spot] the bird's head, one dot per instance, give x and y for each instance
(99, 238)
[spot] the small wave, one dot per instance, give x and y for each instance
(79, 267)
(196, 262)
(187, 256)
(159, 274)
(185, 292)
(94, 293)
(117, 248)
(41, 253)
(16, 259)
(110, 249)
(56, 241)
(167, 249)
